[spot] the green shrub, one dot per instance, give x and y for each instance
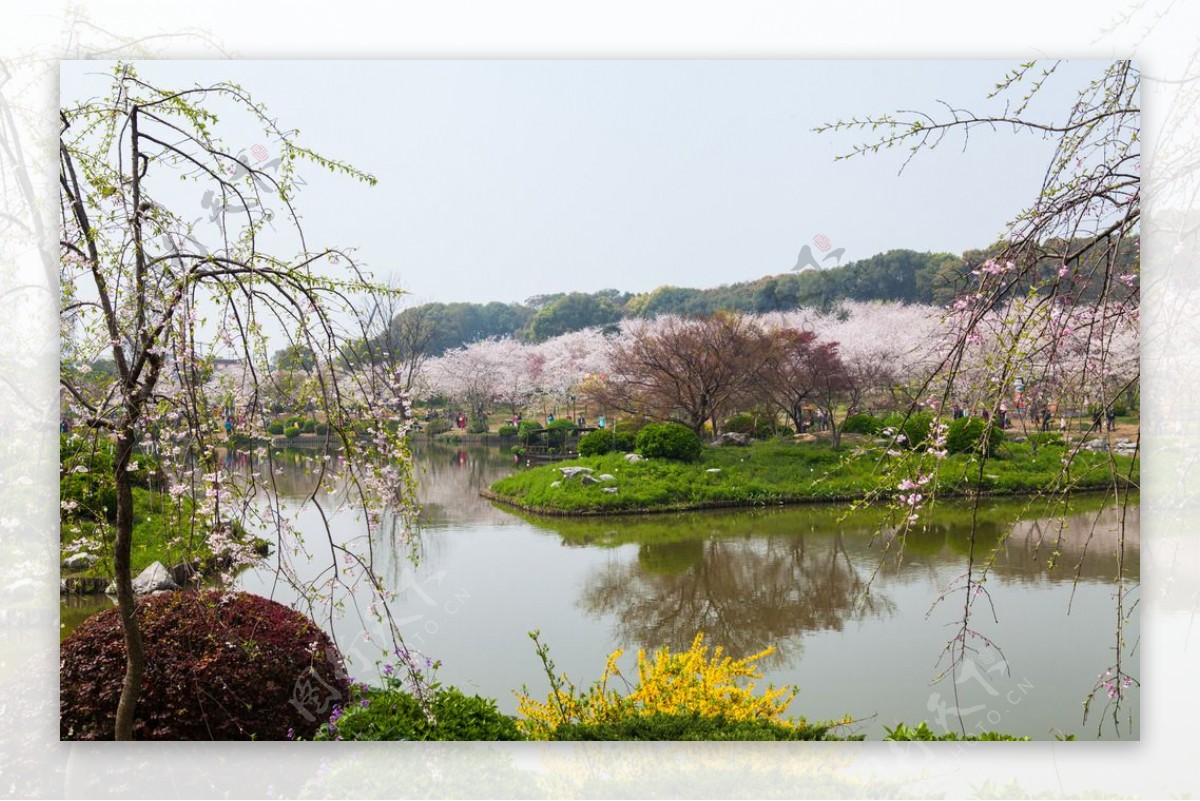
(309, 427)
(602, 441)
(392, 714)
(526, 428)
(275, 428)
(596, 443)
(218, 667)
(478, 424)
(669, 441)
(558, 432)
(965, 435)
(629, 426)
(915, 427)
(862, 423)
(507, 431)
(757, 426)
(291, 431)
(322, 428)
(922, 732)
(686, 726)
(439, 426)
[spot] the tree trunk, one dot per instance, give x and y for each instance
(835, 431)
(135, 661)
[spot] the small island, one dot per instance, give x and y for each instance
(808, 469)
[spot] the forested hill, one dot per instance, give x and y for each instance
(897, 275)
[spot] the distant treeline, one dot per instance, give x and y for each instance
(904, 276)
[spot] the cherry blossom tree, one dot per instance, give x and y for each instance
(165, 297)
(470, 374)
(1066, 264)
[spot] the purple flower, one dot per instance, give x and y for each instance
(366, 702)
(388, 670)
(291, 733)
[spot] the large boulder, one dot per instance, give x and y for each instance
(570, 472)
(154, 578)
(732, 438)
(80, 561)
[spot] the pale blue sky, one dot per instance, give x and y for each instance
(499, 180)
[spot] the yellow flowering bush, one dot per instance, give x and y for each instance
(691, 681)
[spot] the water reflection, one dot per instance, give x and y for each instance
(742, 594)
(846, 606)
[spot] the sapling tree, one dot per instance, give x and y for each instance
(166, 297)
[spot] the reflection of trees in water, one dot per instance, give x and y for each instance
(1082, 545)
(742, 593)
(449, 480)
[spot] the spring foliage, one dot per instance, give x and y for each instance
(669, 441)
(700, 681)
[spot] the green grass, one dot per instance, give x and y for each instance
(162, 532)
(775, 472)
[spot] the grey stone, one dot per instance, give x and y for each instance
(712, 471)
(571, 472)
(733, 438)
(80, 560)
(607, 477)
(611, 490)
(154, 578)
(586, 480)
(633, 457)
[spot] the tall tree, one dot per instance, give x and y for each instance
(686, 369)
(794, 364)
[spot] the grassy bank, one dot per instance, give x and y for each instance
(163, 531)
(781, 472)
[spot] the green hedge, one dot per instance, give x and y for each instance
(965, 435)
(602, 441)
(392, 714)
(915, 427)
(862, 423)
(669, 441)
(757, 426)
(685, 726)
(922, 732)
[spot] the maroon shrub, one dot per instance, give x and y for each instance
(218, 667)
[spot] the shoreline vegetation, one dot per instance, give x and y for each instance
(785, 473)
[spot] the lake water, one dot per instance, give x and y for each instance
(796, 578)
